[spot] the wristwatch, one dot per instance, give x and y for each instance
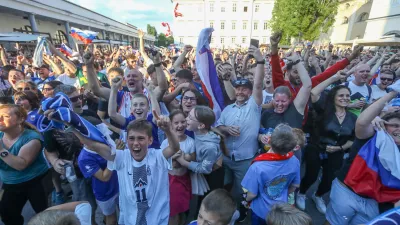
(4, 154)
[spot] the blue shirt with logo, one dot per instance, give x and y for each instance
(89, 163)
(33, 117)
(270, 181)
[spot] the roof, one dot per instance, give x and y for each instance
(390, 40)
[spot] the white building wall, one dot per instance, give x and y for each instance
(222, 14)
(384, 17)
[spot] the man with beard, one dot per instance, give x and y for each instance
(240, 122)
(360, 91)
(379, 90)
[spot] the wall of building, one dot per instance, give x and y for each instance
(384, 17)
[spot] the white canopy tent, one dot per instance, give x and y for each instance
(18, 37)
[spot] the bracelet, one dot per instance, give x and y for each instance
(261, 62)
(157, 65)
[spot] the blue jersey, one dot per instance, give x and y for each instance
(33, 117)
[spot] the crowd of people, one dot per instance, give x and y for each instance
(134, 134)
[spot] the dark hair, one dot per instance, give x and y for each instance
(199, 98)
(391, 115)
(20, 71)
(330, 100)
(54, 83)
(175, 113)
(140, 125)
(185, 74)
(282, 139)
(282, 90)
(151, 69)
(205, 115)
(220, 203)
(116, 69)
(6, 100)
(335, 57)
(32, 98)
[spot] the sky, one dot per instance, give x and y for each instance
(136, 12)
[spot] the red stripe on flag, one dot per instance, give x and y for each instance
(208, 96)
(84, 40)
(366, 182)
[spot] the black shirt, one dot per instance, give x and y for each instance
(270, 119)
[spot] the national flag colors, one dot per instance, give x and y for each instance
(176, 11)
(207, 72)
(375, 171)
(66, 50)
(86, 36)
(169, 32)
(376, 79)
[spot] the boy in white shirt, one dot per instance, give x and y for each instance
(144, 178)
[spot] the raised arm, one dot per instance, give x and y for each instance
(93, 82)
(116, 84)
(114, 62)
(164, 124)
(303, 96)
(377, 65)
(181, 58)
(142, 51)
(328, 56)
(66, 62)
(317, 90)
(278, 78)
(162, 84)
(259, 74)
(3, 56)
(54, 66)
(364, 128)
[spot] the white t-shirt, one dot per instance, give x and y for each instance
(65, 79)
(377, 92)
(144, 186)
(187, 146)
(267, 97)
(84, 213)
(358, 92)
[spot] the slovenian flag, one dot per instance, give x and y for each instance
(86, 36)
(207, 72)
(376, 79)
(65, 49)
(375, 172)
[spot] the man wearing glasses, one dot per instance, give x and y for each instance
(379, 90)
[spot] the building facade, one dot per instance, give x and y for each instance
(235, 22)
(364, 20)
(54, 18)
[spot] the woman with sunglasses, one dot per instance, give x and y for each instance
(380, 90)
(48, 88)
(27, 85)
(31, 103)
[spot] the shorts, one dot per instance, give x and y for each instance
(108, 207)
(346, 207)
(180, 191)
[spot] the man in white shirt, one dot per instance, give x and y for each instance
(386, 78)
(143, 172)
(360, 91)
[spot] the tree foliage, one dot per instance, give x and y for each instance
(306, 19)
(165, 41)
(151, 30)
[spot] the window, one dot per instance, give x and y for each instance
(211, 6)
(212, 24)
(257, 8)
(255, 27)
(181, 40)
(233, 25)
(233, 40)
(222, 25)
(212, 39)
(244, 25)
(222, 8)
(243, 40)
(234, 7)
(347, 5)
(222, 40)
(363, 17)
(245, 9)
(264, 40)
(345, 20)
(265, 25)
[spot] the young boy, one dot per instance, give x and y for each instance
(273, 174)
(285, 214)
(217, 208)
(144, 171)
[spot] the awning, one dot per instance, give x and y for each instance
(391, 40)
(18, 37)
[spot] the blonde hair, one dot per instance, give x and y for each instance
(20, 112)
(300, 137)
(285, 214)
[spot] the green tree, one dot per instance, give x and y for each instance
(151, 30)
(165, 41)
(304, 19)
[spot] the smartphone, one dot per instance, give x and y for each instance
(254, 42)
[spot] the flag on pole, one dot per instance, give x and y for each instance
(86, 36)
(375, 171)
(65, 49)
(207, 72)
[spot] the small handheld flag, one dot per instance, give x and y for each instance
(65, 49)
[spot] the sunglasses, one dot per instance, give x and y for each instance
(24, 89)
(75, 99)
(387, 79)
(242, 82)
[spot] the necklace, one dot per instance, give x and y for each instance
(340, 116)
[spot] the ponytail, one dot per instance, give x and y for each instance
(222, 144)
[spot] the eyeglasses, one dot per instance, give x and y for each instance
(186, 98)
(387, 79)
(24, 89)
(47, 89)
(75, 99)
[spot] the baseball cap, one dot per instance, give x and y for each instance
(244, 83)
